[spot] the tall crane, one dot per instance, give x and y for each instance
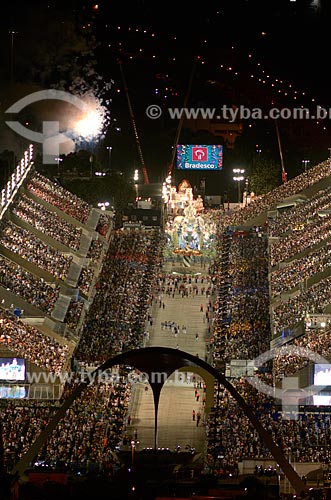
(135, 130)
(284, 173)
(180, 124)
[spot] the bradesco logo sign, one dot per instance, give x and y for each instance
(205, 157)
(50, 137)
(199, 153)
(290, 394)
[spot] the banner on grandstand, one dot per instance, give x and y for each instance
(198, 157)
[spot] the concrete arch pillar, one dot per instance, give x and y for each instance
(166, 360)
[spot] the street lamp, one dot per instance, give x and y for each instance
(305, 163)
(136, 179)
(166, 189)
(109, 156)
(12, 33)
(246, 190)
(58, 160)
(238, 177)
(103, 205)
(91, 165)
(133, 444)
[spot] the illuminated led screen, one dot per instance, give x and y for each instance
(322, 399)
(322, 374)
(13, 391)
(191, 157)
(12, 369)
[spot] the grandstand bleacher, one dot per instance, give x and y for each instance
(61, 261)
(52, 245)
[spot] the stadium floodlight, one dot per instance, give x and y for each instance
(238, 177)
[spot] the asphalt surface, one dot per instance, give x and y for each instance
(176, 426)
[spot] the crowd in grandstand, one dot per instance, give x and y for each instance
(305, 438)
(288, 313)
(265, 202)
(89, 433)
(85, 280)
(316, 340)
(95, 250)
(300, 214)
(85, 436)
(28, 342)
(104, 224)
(74, 313)
(34, 290)
(19, 424)
(242, 315)
(44, 351)
(132, 262)
(302, 239)
(67, 202)
(298, 271)
(34, 250)
(59, 197)
(116, 321)
(47, 222)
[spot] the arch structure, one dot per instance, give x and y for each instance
(164, 360)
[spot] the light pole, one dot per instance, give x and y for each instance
(246, 190)
(133, 445)
(12, 33)
(109, 157)
(136, 179)
(238, 177)
(91, 165)
(103, 205)
(305, 163)
(59, 160)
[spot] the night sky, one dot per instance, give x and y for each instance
(237, 52)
